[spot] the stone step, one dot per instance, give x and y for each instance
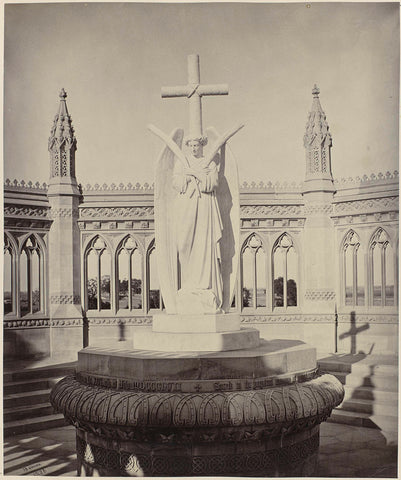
(369, 406)
(371, 393)
(35, 424)
(359, 419)
(26, 398)
(50, 371)
(21, 386)
(364, 369)
(384, 382)
(19, 413)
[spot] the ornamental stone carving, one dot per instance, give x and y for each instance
(32, 322)
(386, 203)
(65, 212)
(146, 411)
(116, 212)
(65, 299)
(26, 211)
(271, 210)
(318, 209)
(320, 295)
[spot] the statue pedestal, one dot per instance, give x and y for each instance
(250, 412)
(196, 333)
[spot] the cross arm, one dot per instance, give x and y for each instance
(221, 89)
(170, 92)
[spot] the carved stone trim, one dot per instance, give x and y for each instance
(249, 211)
(66, 322)
(287, 318)
(373, 179)
(134, 320)
(271, 187)
(191, 386)
(117, 188)
(116, 212)
(320, 295)
(31, 322)
(98, 460)
(369, 318)
(225, 408)
(318, 209)
(65, 299)
(26, 186)
(28, 211)
(358, 206)
(63, 212)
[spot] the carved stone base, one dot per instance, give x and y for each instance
(250, 412)
(296, 456)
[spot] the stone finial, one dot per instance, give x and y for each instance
(62, 142)
(315, 91)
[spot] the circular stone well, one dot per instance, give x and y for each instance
(247, 412)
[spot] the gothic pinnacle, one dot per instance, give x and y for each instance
(315, 91)
(63, 94)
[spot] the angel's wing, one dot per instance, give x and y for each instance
(227, 194)
(166, 252)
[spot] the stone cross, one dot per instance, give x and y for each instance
(194, 91)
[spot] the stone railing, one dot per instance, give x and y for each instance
(26, 186)
(271, 187)
(146, 187)
(373, 179)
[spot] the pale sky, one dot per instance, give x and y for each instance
(112, 59)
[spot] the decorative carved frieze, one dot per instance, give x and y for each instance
(132, 320)
(364, 218)
(63, 212)
(219, 409)
(116, 212)
(65, 299)
(25, 186)
(116, 188)
(369, 318)
(98, 460)
(373, 179)
(361, 206)
(25, 211)
(66, 322)
(318, 209)
(320, 295)
(271, 187)
(271, 210)
(287, 318)
(24, 322)
(191, 386)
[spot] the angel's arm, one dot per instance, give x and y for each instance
(221, 141)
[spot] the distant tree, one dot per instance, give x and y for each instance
(291, 293)
(278, 289)
(246, 297)
(91, 289)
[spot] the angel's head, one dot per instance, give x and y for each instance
(195, 145)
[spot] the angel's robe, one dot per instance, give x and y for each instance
(198, 231)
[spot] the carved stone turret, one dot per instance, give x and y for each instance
(64, 259)
(62, 147)
(317, 143)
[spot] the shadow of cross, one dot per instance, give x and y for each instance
(353, 331)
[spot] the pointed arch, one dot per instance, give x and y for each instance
(130, 277)
(253, 272)
(353, 270)
(97, 274)
(9, 274)
(31, 275)
(382, 269)
(154, 298)
(284, 259)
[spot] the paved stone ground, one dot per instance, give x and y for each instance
(345, 451)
